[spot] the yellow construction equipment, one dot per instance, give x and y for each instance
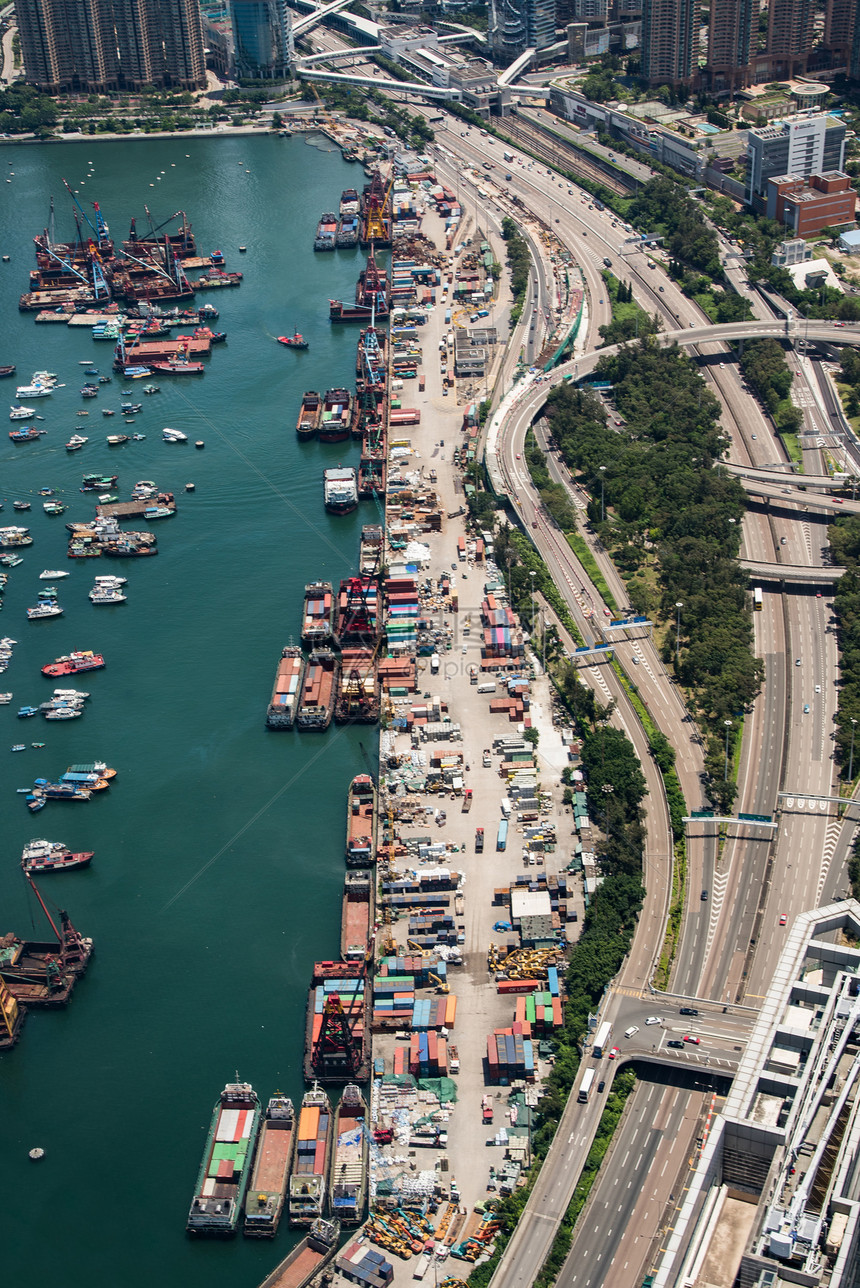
(376, 215)
(440, 983)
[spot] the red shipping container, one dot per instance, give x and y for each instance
(225, 1169)
(520, 1010)
(492, 1054)
(556, 1011)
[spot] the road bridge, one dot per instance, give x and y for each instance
(763, 474)
(792, 573)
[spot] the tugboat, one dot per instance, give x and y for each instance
(294, 341)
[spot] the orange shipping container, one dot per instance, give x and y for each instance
(450, 1011)
(309, 1123)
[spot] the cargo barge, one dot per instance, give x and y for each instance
(336, 417)
(349, 1158)
(358, 698)
(356, 923)
(272, 1162)
(74, 663)
(316, 621)
(286, 694)
(308, 1198)
(326, 235)
(337, 1031)
(308, 423)
(319, 692)
(311, 1255)
(223, 1178)
(376, 212)
(361, 823)
(340, 490)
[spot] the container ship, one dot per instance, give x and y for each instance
(340, 490)
(358, 700)
(223, 1178)
(326, 236)
(372, 297)
(361, 822)
(272, 1162)
(316, 621)
(357, 612)
(356, 923)
(349, 1158)
(337, 1032)
(308, 423)
(319, 691)
(284, 703)
(336, 416)
(307, 1191)
(307, 1258)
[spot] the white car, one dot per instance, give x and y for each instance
(634, 1028)
(654, 1019)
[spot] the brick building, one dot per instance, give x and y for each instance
(808, 205)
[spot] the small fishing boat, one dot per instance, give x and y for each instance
(116, 439)
(54, 507)
(152, 389)
(17, 412)
(76, 442)
(21, 505)
(25, 435)
(173, 435)
(106, 411)
(19, 746)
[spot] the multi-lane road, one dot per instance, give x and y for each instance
(754, 881)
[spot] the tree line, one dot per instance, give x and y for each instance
(844, 538)
(672, 523)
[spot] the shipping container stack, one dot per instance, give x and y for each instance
(401, 600)
(510, 1055)
(503, 645)
(365, 1266)
(427, 1056)
(311, 1142)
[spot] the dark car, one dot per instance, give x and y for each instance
(601, 1085)
(673, 1042)
(687, 1010)
(704, 896)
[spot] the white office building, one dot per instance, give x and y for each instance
(809, 143)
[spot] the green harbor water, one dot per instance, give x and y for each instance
(219, 848)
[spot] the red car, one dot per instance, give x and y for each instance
(783, 921)
(613, 1053)
(688, 1037)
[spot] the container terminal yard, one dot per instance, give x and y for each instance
(464, 872)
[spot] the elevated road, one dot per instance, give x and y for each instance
(765, 475)
(791, 573)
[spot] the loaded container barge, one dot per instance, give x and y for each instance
(223, 1177)
(361, 822)
(319, 691)
(349, 1159)
(284, 703)
(337, 1033)
(272, 1162)
(316, 622)
(307, 1194)
(336, 418)
(326, 238)
(307, 1258)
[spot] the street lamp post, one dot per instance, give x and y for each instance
(602, 494)
(678, 605)
(851, 753)
(728, 725)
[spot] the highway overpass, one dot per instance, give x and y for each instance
(801, 576)
(783, 476)
(795, 495)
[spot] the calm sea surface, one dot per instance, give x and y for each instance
(219, 848)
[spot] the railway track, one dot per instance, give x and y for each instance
(562, 156)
